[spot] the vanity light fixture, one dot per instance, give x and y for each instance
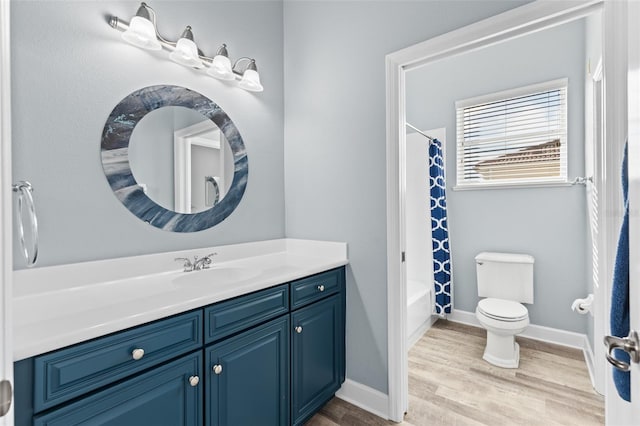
(142, 32)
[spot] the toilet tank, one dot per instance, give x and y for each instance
(505, 276)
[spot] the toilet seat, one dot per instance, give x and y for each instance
(502, 310)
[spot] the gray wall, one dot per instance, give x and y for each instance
(335, 141)
(548, 223)
(69, 70)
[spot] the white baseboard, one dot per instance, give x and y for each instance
(367, 398)
(536, 332)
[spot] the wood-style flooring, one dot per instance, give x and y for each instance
(450, 384)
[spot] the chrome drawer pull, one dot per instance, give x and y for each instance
(194, 380)
(217, 369)
(298, 329)
(137, 353)
(321, 287)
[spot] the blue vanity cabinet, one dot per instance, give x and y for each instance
(268, 358)
(317, 346)
(168, 395)
(247, 377)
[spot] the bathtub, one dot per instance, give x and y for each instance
(419, 309)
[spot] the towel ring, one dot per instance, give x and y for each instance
(24, 190)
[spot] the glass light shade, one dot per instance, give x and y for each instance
(221, 68)
(251, 81)
(186, 54)
(142, 33)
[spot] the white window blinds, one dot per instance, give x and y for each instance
(513, 137)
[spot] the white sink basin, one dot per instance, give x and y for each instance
(215, 276)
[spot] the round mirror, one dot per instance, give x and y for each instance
(174, 158)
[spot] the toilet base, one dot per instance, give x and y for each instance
(502, 351)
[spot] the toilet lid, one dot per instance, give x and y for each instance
(506, 310)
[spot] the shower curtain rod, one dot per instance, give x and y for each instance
(419, 131)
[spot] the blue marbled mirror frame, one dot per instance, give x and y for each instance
(115, 157)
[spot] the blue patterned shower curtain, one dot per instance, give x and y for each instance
(439, 230)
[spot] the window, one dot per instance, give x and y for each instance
(515, 137)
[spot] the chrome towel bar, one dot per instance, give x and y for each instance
(24, 190)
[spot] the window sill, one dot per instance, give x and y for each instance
(512, 186)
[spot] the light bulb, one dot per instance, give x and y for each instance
(251, 81)
(221, 68)
(186, 53)
(142, 33)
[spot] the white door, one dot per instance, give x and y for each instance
(633, 48)
(625, 16)
(6, 267)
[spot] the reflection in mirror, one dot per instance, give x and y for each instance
(203, 167)
(211, 191)
(174, 158)
(172, 152)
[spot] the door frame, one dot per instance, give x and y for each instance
(516, 22)
(6, 250)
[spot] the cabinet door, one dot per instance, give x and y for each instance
(248, 377)
(317, 356)
(168, 395)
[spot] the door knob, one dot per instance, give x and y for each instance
(217, 369)
(629, 344)
(299, 329)
(194, 380)
(6, 395)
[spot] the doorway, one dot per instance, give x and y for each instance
(519, 22)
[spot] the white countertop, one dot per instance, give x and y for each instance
(57, 306)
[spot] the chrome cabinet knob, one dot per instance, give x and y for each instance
(298, 329)
(194, 380)
(137, 353)
(217, 369)
(321, 287)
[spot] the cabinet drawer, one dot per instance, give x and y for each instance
(71, 372)
(170, 394)
(232, 316)
(313, 288)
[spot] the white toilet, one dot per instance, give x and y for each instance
(505, 280)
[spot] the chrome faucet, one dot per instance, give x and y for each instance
(203, 263)
(188, 266)
(197, 264)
